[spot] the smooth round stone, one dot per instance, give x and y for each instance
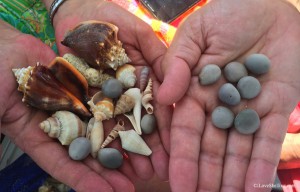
(249, 87)
(247, 121)
(229, 94)
(112, 88)
(234, 71)
(258, 64)
(79, 148)
(110, 158)
(222, 117)
(209, 74)
(148, 123)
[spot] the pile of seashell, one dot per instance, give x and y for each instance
(63, 87)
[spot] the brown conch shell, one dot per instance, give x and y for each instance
(144, 76)
(125, 74)
(95, 133)
(41, 89)
(124, 104)
(147, 97)
(114, 133)
(65, 126)
(94, 77)
(101, 107)
(97, 43)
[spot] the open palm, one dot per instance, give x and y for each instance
(203, 158)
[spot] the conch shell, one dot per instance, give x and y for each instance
(135, 93)
(147, 97)
(114, 133)
(94, 77)
(101, 107)
(97, 43)
(125, 74)
(124, 104)
(41, 89)
(144, 77)
(95, 133)
(65, 126)
(132, 142)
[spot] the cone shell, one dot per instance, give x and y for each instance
(44, 91)
(124, 104)
(94, 77)
(114, 133)
(144, 76)
(132, 142)
(126, 75)
(135, 93)
(65, 126)
(101, 107)
(147, 97)
(97, 43)
(95, 135)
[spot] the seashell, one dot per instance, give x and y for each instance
(94, 77)
(101, 107)
(147, 97)
(126, 75)
(97, 43)
(135, 93)
(114, 133)
(131, 118)
(132, 142)
(96, 135)
(144, 77)
(124, 104)
(65, 126)
(41, 89)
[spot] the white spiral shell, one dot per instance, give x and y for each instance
(125, 74)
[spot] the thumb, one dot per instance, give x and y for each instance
(182, 56)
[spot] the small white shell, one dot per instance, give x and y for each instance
(132, 142)
(101, 107)
(95, 135)
(22, 75)
(124, 104)
(114, 133)
(147, 97)
(137, 109)
(126, 75)
(144, 77)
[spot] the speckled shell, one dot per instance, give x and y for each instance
(95, 133)
(144, 76)
(124, 104)
(147, 97)
(126, 75)
(101, 107)
(114, 133)
(97, 43)
(94, 77)
(43, 90)
(65, 126)
(132, 142)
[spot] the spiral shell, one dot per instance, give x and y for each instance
(94, 77)
(144, 77)
(114, 133)
(43, 90)
(65, 126)
(124, 104)
(97, 43)
(95, 133)
(101, 107)
(147, 97)
(126, 75)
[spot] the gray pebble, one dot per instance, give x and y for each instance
(112, 88)
(258, 64)
(249, 87)
(234, 71)
(148, 123)
(209, 74)
(247, 121)
(110, 158)
(222, 117)
(79, 148)
(229, 94)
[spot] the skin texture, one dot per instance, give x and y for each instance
(203, 158)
